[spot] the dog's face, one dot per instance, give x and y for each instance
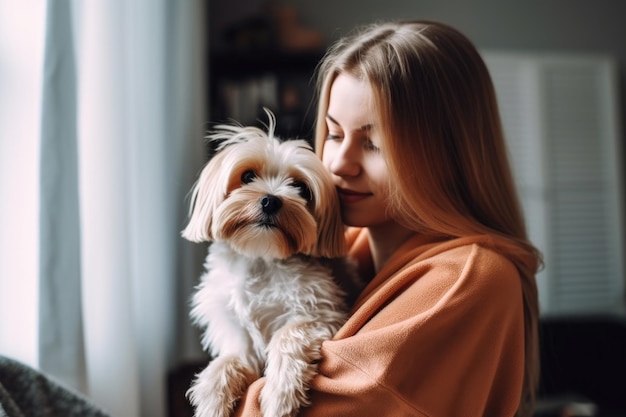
(266, 198)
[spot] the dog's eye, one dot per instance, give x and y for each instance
(303, 189)
(248, 176)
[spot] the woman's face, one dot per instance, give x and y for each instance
(352, 155)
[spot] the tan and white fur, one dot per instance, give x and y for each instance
(267, 300)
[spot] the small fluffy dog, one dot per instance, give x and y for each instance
(267, 299)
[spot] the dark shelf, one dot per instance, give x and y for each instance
(253, 63)
(242, 82)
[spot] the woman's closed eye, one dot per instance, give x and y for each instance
(368, 144)
(332, 136)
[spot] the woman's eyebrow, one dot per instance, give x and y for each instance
(366, 127)
(329, 117)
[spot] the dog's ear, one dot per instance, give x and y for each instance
(331, 241)
(206, 195)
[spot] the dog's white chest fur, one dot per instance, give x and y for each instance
(255, 298)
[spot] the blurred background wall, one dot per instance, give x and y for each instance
(563, 25)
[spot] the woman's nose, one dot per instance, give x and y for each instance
(345, 160)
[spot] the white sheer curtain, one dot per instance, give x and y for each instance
(121, 129)
(21, 57)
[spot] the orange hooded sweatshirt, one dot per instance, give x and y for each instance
(438, 332)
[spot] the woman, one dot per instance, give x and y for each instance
(447, 325)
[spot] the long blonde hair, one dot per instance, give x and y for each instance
(444, 145)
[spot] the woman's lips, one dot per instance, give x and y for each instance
(350, 197)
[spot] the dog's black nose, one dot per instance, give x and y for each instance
(270, 204)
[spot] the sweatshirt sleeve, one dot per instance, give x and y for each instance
(441, 338)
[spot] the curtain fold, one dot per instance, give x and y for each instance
(60, 347)
(121, 145)
(106, 212)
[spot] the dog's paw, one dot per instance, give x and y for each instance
(292, 356)
(286, 385)
(276, 402)
(216, 389)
